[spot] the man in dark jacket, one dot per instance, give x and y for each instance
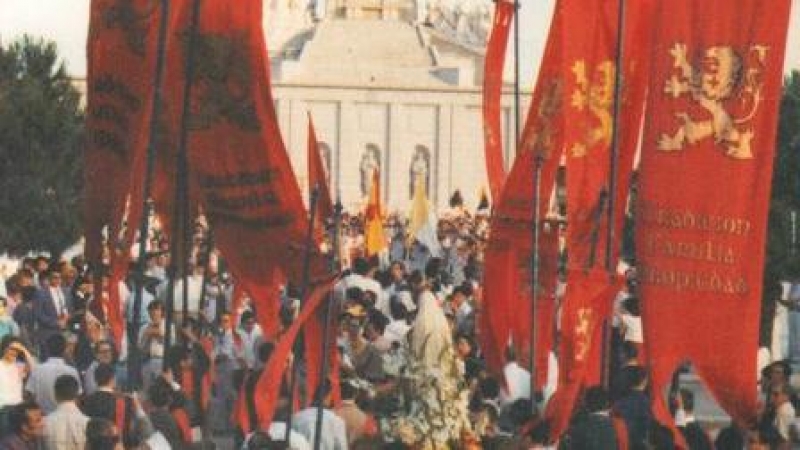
(696, 437)
(634, 409)
(592, 428)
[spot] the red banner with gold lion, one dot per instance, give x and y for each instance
(706, 171)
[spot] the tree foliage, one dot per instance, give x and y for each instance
(783, 251)
(41, 139)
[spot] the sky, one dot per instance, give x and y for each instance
(66, 22)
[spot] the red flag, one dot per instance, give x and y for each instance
(122, 51)
(318, 177)
(507, 280)
(240, 168)
(492, 92)
(705, 182)
(313, 335)
(268, 387)
(589, 68)
(586, 303)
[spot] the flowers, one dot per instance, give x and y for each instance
(437, 416)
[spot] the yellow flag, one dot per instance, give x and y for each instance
(374, 239)
(422, 219)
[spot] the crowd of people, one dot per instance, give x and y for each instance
(409, 371)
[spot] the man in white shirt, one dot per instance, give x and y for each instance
(362, 279)
(518, 380)
(12, 373)
(151, 343)
(194, 298)
(42, 380)
(334, 431)
(780, 398)
(251, 336)
(65, 427)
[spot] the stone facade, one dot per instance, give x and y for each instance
(388, 92)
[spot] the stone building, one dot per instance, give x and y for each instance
(390, 84)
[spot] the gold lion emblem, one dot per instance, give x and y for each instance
(597, 97)
(721, 77)
(542, 140)
(583, 333)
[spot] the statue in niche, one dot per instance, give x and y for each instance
(419, 169)
(325, 154)
(370, 162)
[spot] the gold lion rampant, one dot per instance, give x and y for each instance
(596, 96)
(542, 139)
(721, 76)
(583, 333)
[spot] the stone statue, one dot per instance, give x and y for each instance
(468, 21)
(370, 162)
(419, 169)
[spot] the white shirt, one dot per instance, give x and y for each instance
(334, 432)
(632, 326)
(42, 382)
(59, 300)
(194, 291)
(249, 343)
(277, 431)
(365, 284)
(225, 344)
(12, 376)
(784, 420)
(396, 331)
(65, 428)
(153, 347)
(518, 381)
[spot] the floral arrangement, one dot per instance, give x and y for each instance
(438, 398)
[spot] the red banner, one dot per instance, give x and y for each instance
(705, 181)
(318, 177)
(313, 334)
(492, 93)
(590, 70)
(507, 278)
(122, 52)
(586, 304)
(238, 163)
(590, 66)
(268, 387)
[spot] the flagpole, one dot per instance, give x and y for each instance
(180, 222)
(134, 358)
(537, 200)
(312, 206)
(323, 371)
(613, 170)
(614, 154)
(516, 75)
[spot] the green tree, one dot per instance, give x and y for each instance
(41, 139)
(783, 236)
(783, 251)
